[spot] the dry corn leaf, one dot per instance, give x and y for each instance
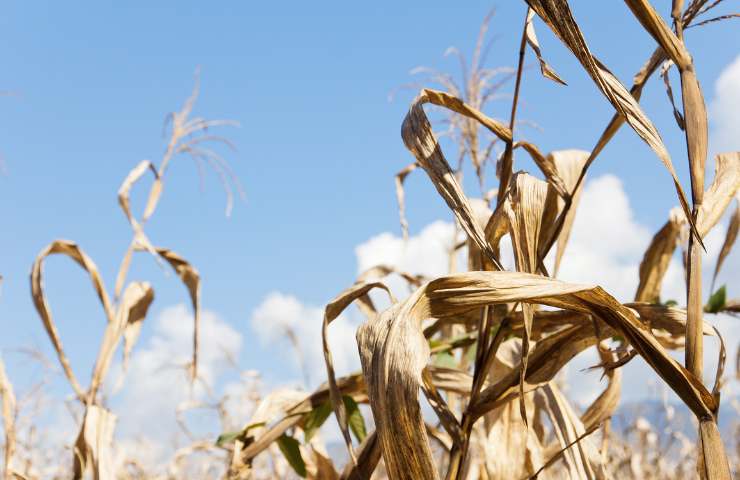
(658, 256)
(569, 165)
(528, 218)
(462, 292)
(531, 35)
(547, 165)
(607, 402)
(294, 406)
(582, 460)
(557, 15)
(511, 449)
(127, 323)
(420, 140)
(140, 239)
(664, 74)
(367, 460)
(730, 238)
(331, 312)
(394, 352)
(654, 24)
(546, 359)
(74, 252)
(323, 467)
(93, 446)
(191, 278)
(440, 407)
(721, 192)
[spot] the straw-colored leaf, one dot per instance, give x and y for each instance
(654, 24)
(657, 257)
(721, 192)
(367, 460)
(557, 15)
(140, 239)
(569, 164)
(547, 165)
(420, 140)
(527, 212)
(93, 448)
(127, 323)
(531, 35)
(582, 459)
(191, 278)
(730, 237)
(70, 249)
(331, 312)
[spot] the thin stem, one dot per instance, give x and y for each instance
(507, 160)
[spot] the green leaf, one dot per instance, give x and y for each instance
(434, 343)
(292, 453)
(717, 301)
(354, 418)
(228, 437)
(445, 359)
(470, 354)
(671, 303)
(314, 419)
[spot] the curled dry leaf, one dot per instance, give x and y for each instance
(140, 239)
(331, 312)
(557, 15)
(127, 324)
(420, 140)
(191, 278)
(70, 249)
(531, 36)
(658, 255)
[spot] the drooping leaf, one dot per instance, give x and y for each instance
(355, 418)
(315, 419)
(290, 448)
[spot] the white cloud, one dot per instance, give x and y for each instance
(425, 253)
(725, 110)
(605, 249)
(279, 313)
(156, 382)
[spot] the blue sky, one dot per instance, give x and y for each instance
(318, 145)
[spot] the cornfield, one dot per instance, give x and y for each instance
(460, 378)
